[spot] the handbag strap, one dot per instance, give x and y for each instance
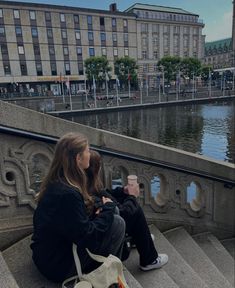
(97, 258)
(77, 261)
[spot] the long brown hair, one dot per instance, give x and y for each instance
(64, 167)
(94, 183)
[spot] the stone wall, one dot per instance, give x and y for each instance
(24, 161)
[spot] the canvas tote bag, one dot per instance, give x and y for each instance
(109, 273)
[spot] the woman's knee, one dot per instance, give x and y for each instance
(119, 226)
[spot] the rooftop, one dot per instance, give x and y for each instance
(219, 43)
(158, 8)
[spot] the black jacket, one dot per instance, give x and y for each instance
(61, 219)
(127, 204)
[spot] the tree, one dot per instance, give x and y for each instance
(190, 67)
(125, 69)
(205, 72)
(170, 65)
(97, 67)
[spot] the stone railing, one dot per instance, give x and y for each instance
(177, 187)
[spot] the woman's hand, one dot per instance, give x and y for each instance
(106, 200)
(133, 190)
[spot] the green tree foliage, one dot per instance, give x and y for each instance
(123, 66)
(98, 67)
(190, 67)
(170, 65)
(205, 71)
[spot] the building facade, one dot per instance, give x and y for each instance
(44, 46)
(218, 54)
(164, 31)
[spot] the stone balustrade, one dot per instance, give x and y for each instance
(177, 187)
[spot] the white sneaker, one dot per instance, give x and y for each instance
(161, 260)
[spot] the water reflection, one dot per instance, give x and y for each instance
(206, 129)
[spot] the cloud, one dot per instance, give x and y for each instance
(220, 28)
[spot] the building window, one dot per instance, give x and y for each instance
(62, 17)
(91, 51)
(49, 33)
(102, 36)
(101, 21)
(66, 50)
(53, 69)
(79, 50)
(77, 35)
(115, 52)
(89, 20)
(125, 37)
(114, 22)
(80, 68)
(126, 52)
(125, 23)
(36, 49)
(144, 54)
(114, 37)
(7, 69)
(39, 69)
(23, 69)
(144, 41)
(64, 34)
(166, 29)
(2, 31)
(4, 49)
(1, 14)
(145, 68)
(18, 31)
(144, 27)
(67, 69)
(176, 29)
(90, 36)
(34, 31)
(76, 19)
(155, 67)
(21, 50)
(16, 14)
(48, 16)
(104, 51)
(155, 54)
(51, 50)
(32, 15)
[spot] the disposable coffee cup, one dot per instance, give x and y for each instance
(132, 180)
(83, 284)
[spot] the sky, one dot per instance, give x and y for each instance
(216, 14)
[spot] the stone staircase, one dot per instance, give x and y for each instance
(199, 261)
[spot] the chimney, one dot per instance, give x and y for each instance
(113, 7)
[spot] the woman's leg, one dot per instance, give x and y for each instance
(137, 228)
(111, 243)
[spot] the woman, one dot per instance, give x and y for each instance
(65, 215)
(132, 213)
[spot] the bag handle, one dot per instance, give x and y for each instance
(77, 261)
(97, 258)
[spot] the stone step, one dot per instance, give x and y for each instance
(155, 278)
(229, 245)
(196, 258)
(19, 260)
(221, 258)
(177, 268)
(6, 278)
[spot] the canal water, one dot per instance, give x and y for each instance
(206, 129)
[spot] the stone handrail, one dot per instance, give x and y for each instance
(165, 173)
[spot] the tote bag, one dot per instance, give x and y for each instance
(108, 274)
